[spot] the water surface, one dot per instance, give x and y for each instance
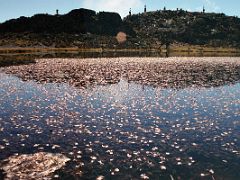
(124, 130)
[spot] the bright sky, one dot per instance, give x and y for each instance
(15, 8)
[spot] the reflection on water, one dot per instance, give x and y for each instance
(9, 59)
(158, 72)
(82, 54)
(124, 130)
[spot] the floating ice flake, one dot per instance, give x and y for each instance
(34, 166)
(100, 178)
(162, 167)
(211, 171)
(144, 176)
(116, 170)
(93, 157)
(129, 155)
(203, 174)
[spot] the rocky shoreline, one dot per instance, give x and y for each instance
(158, 72)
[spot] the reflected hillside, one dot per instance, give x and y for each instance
(157, 72)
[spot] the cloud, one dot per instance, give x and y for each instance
(120, 6)
(211, 5)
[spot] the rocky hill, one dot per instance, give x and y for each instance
(86, 28)
(187, 27)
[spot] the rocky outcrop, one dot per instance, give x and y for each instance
(187, 27)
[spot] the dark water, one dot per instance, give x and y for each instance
(124, 130)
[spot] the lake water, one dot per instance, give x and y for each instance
(124, 130)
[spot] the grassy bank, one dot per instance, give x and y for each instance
(18, 56)
(44, 49)
(173, 49)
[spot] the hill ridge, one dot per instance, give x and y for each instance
(87, 28)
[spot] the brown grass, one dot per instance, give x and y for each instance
(173, 49)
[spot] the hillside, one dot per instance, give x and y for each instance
(76, 21)
(85, 28)
(187, 27)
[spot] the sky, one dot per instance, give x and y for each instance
(15, 8)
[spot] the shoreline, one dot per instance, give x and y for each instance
(173, 49)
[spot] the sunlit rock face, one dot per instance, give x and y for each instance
(33, 166)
